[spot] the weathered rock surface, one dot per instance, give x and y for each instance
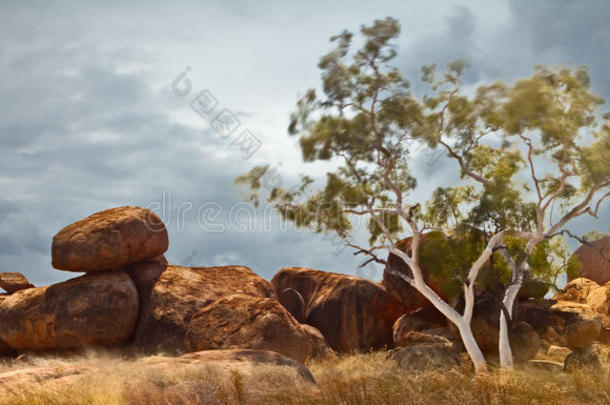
(98, 309)
(595, 357)
(109, 239)
(595, 261)
(293, 301)
(577, 323)
(524, 342)
(562, 323)
(597, 297)
(246, 322)
(413, 338)
(13, 282)
(426, 357)
(352, 313)
(423, 320)
(576, 290)
(38, 376)
(170, 295)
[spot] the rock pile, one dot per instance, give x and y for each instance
(131, 297)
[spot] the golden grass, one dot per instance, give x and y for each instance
(345, 380)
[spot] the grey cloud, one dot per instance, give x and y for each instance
(87, 120)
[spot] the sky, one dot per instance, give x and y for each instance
(95, 112)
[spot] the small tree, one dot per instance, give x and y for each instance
(364, 123)
(537, 154)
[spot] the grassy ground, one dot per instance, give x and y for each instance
(350, 380)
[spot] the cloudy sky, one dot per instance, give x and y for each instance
(89, 119)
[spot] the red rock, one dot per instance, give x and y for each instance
(109, 239)
(93, 310)
(246, 322)
(352, 313)
(292, 300)
(13, 282)
(170, 295)
(595, 261)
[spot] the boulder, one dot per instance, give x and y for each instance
(170, 295)
(576, 290)
(420, 320)
(109, 240)
(597, 297)
(246, 322)
(524, 342)
(594, 261)
(595, 358)
(562, 323)
(426, 357)
(13, 282)
(353, 314)
(413, 338)
(98, 309)
(577, 323)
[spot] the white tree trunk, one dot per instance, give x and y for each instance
(472, 347)
(506, 355)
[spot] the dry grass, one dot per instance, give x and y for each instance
(346, 380)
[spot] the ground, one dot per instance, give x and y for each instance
(347, 379)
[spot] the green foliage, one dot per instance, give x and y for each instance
(448, 261)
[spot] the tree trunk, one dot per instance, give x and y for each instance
(472, 347)
(506, 355)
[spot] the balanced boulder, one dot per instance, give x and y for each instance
(247, 322)
(109, 239)
(594, 260)
(171, 295)
(352, 313)
(13, 282)
(98, 309)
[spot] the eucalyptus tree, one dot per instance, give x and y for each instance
(538, 154)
